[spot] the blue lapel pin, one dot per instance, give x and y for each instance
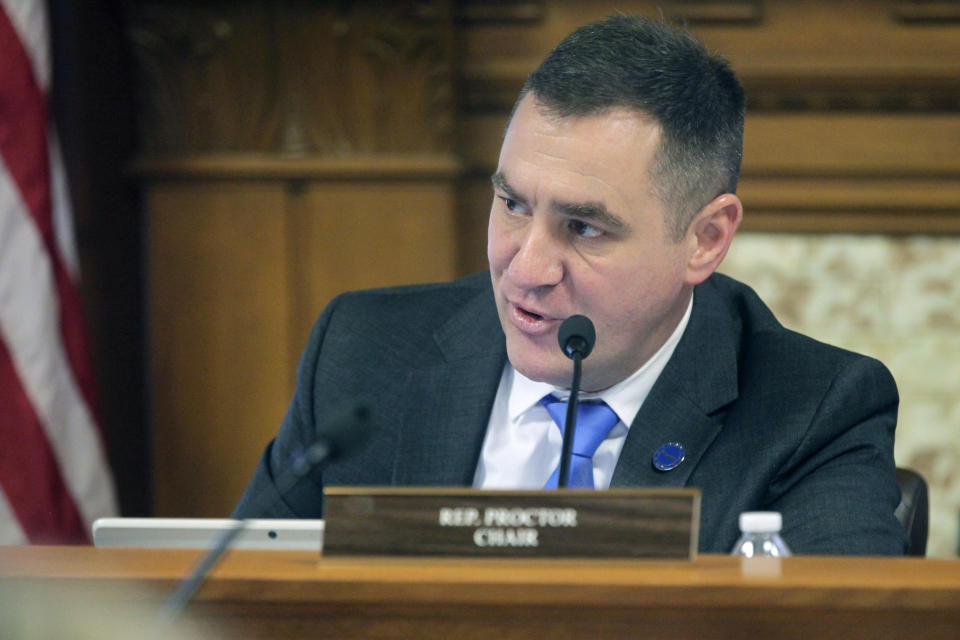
(669, 456)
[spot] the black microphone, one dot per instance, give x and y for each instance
(577, 334)
(342, 434)
(346, 431)
(576, 337)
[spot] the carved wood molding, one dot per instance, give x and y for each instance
(294, 77)
(180, 76)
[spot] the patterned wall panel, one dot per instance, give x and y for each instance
(897, 299)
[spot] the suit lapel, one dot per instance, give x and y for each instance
(449, 404)
(664, 417)
(685, 405)
(449, 399)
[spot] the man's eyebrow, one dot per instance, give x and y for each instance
(590, 212)
(500, 182)
(586, 211)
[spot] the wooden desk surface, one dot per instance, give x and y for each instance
(281, 594)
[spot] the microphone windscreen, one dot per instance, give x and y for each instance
(577, 334)
(346, 430)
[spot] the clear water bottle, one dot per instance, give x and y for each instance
(760, 535)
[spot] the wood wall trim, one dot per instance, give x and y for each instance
(804, 145)
(846, 221)
(493, 86)
(714, 11)
(846, 193)
(244, 166)
(499, 11)
(928, 11)
(837, 144)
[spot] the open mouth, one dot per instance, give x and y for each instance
(529, 322)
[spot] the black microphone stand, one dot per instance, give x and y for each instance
(570, 425)
(576, 337)
(176, 603)
(345, 432)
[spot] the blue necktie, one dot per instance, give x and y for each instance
(594, 421)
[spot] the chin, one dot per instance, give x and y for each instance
(540, 359)
(550, 372)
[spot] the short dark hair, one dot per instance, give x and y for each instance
(663, 72)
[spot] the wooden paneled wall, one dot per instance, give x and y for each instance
(290, 151)
(854, 106)
(294, 149)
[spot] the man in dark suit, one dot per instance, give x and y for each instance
(613, 198)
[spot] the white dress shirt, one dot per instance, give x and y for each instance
(522, 445)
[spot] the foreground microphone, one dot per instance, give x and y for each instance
(576, 337)
(345, 432)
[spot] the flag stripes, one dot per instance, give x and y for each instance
(53, 471)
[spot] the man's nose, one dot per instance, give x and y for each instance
(538, 261)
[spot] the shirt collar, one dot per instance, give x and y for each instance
(625, 398)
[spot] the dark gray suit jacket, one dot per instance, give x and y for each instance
(770, 419)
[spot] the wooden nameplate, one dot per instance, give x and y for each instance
(612, 523)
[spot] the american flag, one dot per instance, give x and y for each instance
(54, 477)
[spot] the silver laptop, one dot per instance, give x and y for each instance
(202, 533)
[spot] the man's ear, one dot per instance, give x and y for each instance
(710, 234)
